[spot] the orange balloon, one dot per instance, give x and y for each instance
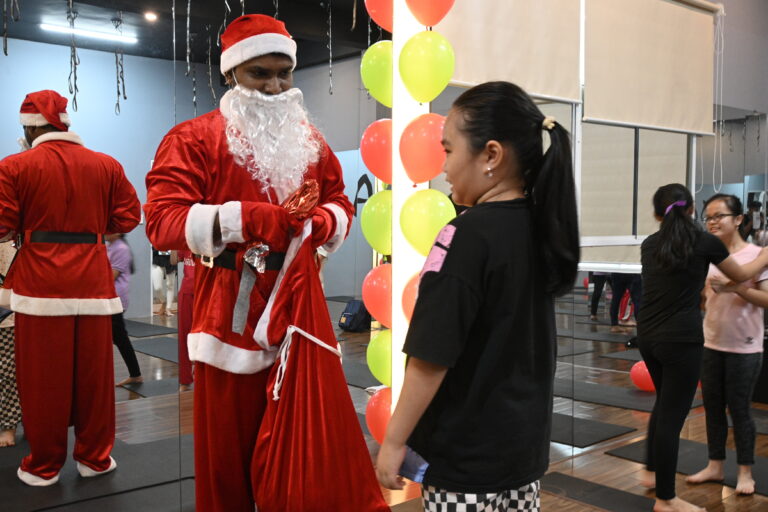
(377, 294)
(410, 293)
(640, 376)
(420, 148)
(381, 12)
(376, 149)
(429, 12)
(378, 412)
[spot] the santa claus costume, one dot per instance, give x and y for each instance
(216, 188)
(60, 199)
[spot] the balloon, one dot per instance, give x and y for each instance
(376, 71)
(379, 357)
(376, 221)
(376, 149)
(421, 152)
(381, 12)
(378, 412)
(423, 216)
(410, 293)
(429, 12)
(426, 65)
(640, 376)
(377, 294)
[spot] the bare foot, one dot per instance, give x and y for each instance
(648, 479)
(676, 505)
(745, 484)
(617, 329)
(8, 438)
(130, 380)
(712, 473)
(593, 318)
(184, 387)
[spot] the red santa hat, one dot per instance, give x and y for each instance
(254, 35)
(45, 107)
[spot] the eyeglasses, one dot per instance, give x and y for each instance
(717, 217)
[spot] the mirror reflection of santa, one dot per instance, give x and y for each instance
(217, 187)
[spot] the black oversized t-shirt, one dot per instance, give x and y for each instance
(671, 303)
(482, 311)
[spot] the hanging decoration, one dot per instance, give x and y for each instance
(15, 14)
(119, 67)
(242, 7)
(330, 47)
(191, 72)
(354, 15)
(74, 60)
(173, 30)
(223, 25)
(277, 7)
(210, 65)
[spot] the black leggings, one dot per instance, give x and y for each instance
(675, 369)
(123, 343)
(598, 280)
(728, 379)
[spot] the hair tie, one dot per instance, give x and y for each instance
(676, 203)
(548, 123)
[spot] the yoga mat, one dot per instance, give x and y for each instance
(596, 495)
(574, 347)
(594, 336)
(154, 387)
(614, 396)
(761, 420)
(693, 456)
(580, 432)
(164, 348)
(632, 354)
(358, 374)
(145, 330)
(138, 465)
(340, 298)
(159, 498)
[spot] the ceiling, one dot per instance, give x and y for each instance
(306, 20)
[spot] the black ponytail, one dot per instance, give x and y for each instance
(503, 112)
(678, 231)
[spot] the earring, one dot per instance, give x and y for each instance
(489, 173)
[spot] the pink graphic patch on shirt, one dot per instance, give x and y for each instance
(445, 236)
(437, 255)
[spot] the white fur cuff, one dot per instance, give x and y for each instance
(199, 228)
(231, 222)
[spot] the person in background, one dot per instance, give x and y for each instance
(621, 283)
(598, 283)
(10, 408)
(164, 275)
(121, 259)
(186, 302)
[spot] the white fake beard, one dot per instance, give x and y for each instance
(270, 135)
(24, 144)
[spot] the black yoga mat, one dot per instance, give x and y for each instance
(145, 330)
(626, 398)
(596, 495)
(154, 387)
(171, 497)
(594, 336)
(164, 348)
(358, 374)
(564, 310)
(692, 458)
(629, 355)
(580, 432)
(339, 298)
(138, 465)
(574, 347)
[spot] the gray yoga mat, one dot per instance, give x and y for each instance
(574, 347)
(171, 497)
(154, 387)
(164, 348)
(632, 354)
(594, 336)
(580, 432)
(625, 398)
(358, 374)
(596, 495)
(145, 330)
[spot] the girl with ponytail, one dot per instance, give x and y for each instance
(477, 397)
(675, 263)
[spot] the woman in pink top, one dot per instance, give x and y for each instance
(733, 347)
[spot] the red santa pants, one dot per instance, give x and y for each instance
(65, 376)
(228, 412)
(186, 298)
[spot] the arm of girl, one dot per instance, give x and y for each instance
(757, 296)
(422, 380)
(741, 273)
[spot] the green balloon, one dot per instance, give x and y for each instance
(376, 221)
(379, 357)
(424, 214)
(426, 65)
(376, 71)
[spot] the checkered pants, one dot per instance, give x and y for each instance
(10, 410)
(524, 498)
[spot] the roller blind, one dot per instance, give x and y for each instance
(649, 63)
(534, 44)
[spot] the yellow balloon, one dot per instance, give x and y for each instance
(426, 65)
(376, 72)
(424, 214)
(376, 221)
(379, 357)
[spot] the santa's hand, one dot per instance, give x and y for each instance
(323, 225)
(267, 222)
(388, 465)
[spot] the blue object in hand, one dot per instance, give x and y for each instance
(414, 466)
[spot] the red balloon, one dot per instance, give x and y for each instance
(640, 376)
(429, 12)
(378, 412)
(377, 294)
(410, 293)
(420, 148)
(376, 149)
(381, 12)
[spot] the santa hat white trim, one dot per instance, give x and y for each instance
(49, 306)
(51, 136)
(40, 120)
(198, 230)
(209, 349)
(256, 46)
(342, 226)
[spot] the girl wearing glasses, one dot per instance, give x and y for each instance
(675, 262)
(733, 347)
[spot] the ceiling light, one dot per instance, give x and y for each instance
(150, 16)
(89, 33)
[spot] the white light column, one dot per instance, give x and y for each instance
(406, 261)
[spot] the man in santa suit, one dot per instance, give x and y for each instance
(216, 188)
(60, 198)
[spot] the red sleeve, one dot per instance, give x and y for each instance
(126, 209)
(9, 202)
(333, 217)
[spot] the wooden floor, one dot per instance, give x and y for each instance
(146, 419)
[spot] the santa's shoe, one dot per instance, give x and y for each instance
(34, 480)
(87, 472)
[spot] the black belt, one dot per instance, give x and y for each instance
(62, 237)
(228, 260)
